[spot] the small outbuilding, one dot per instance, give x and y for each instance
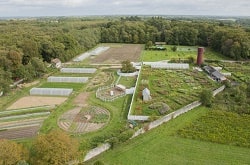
(146, 95)
(215, 74)
(56, 63)
(120, 87)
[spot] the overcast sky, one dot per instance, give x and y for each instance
(123, 7)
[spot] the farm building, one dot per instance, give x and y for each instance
(81, 57)
(120, 87)
(161, 65)
(215, 74)
(99, 50)
(146, 95)
(51, 91)
(68, 79)
(78, 70)
(56, 63)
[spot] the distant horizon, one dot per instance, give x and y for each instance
(67, 8)
(127, 15)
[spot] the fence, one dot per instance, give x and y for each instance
(108, 99)
(133, 97)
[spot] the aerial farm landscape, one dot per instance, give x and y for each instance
(130, 90)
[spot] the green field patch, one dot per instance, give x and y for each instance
(128, 82)
(182, 53)
(220, 127)
(75, 86)
(159, 146)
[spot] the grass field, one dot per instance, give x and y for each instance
(161, 146)
(182, 52)
(75, 86)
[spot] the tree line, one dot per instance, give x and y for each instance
(27, 45)
(231, 41)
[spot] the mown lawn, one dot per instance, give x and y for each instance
(161, 146)
(182, 52)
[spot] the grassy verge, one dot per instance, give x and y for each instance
(160, 146)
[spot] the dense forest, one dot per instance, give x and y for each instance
(26, 45)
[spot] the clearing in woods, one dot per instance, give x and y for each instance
(114, 55)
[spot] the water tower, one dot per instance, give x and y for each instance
(200, 56)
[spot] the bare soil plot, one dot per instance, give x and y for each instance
(26, 132)
(84, 120)
(81, 99)
(35, 101)
(115, 55)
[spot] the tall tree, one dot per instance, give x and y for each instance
(11, 153)
(30, 49)
(55, 148)
(206, 97)
(127, 67)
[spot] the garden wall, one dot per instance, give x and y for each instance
(131, 117)
(127, 74)
(174, 114)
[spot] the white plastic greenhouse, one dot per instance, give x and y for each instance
(51, 91)
(81, 57)
(78, 70)
(68, 79)
(170, 66)
(99, 50)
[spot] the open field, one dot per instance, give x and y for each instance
(182, 52)
(220, 127)
(115, 55)
(35, 101)
(160, 146)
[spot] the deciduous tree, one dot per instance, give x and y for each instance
(54, 148)
(11, 153)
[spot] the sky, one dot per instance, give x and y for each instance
(34, 8)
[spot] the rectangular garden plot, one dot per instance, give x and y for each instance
(173, 89)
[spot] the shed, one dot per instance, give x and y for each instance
(215, 74)
(218, 76)
(56, 63)
(120, 87)
(146, 95)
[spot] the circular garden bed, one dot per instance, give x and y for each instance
(83, 120)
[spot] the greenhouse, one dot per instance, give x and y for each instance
(51, 91)
(170, 66)
(78, 70)
(68, 79)
(81, 57)
(99, 50)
